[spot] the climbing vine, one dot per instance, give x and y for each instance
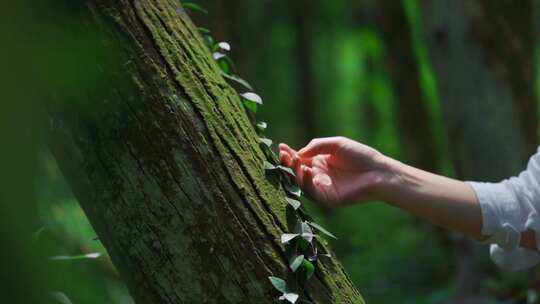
(302, 240)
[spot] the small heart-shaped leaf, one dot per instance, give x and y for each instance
(218, 55)
(266, 141)
(294, 203)
(321, 229)
(250, 96)
(309, 267)
(306, 232)
(308, 236)
(262, 125)
(279, 284)
(294, 190)
(269, 166)
(296, 262)
(287, 237)
(224, 46)
(237, 80)
(290, 297)
(287, 170)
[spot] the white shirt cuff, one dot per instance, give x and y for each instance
(503, 222)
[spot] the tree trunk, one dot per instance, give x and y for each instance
(168, 168)
(301, 13)
(482, 54)
(417, 135)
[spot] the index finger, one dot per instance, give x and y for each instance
(325, 145)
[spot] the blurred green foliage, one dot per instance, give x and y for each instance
(389, 255)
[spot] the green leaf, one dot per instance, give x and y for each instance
(294, 203)
(262, 125)
(225, 65)
(269, 166)
(251, 101)
(287, 237)
(306, 232)
(250, 96)
(308, 236)
(203, 30)
(237, 80)
(225, 46)
(321, 229)
(218, 55)
(279, 284)
(286, 170)
(294, 190)
(224, 62)
(195, 7)
(209, 41)
(296, 262)
(94, 255)
(289, 296)
(309, 267)
(250, 106)
(266, 141)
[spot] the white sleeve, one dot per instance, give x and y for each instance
(509, 208)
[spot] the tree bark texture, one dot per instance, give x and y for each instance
(168, 168)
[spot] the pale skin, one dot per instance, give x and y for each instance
(337, 171)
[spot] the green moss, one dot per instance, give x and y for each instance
(152, 201)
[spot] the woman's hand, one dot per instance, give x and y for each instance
(337, 171)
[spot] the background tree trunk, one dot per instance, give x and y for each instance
(417, 136)
(482, 54)
(301, 14)
(167, 167)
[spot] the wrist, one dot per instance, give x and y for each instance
(392, 179)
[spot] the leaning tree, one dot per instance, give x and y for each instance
(167, 164)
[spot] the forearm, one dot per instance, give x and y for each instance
(445, 202)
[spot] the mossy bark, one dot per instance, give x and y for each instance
(168, 168)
